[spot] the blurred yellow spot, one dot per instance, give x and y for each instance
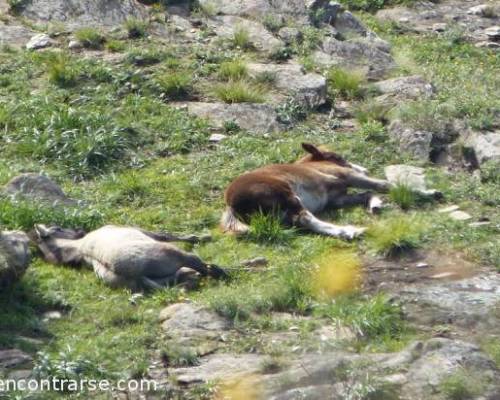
(246, 387)
(337, 272)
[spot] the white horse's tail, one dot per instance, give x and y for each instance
(231, 224)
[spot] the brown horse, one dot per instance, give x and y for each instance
(297, 191)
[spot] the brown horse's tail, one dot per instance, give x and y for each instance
(231, 224)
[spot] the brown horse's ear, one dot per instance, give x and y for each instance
(313, 150)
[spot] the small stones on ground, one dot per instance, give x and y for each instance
(443, 275)
(74, 45)
(479, 223)
(481, 10)
(39, 41)
(493, 32)
(12, 358)
(422, 265)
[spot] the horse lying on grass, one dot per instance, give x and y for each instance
(297, 191)
(123, 256)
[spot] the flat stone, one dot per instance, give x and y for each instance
(219, 367)
(406, 88)
(258, 118)
(39, 42)
(493, 32)
(186, 322)
(217, 137)
(307, 88)
(460, 215)
(413, 177)
(481, 9)
(14, 35)
(255, 262)
(448, 209)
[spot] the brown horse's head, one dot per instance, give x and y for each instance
(321, 154)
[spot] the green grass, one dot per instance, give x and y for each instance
(90, 38)
(239, 92)
(62, 71)
(115, 46)
(396, 234)
(232, 70)
(345, 84)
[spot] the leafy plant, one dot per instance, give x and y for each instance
(461, 385)
(136, 28)
(62, 71)
(175, 85)
(291, 112)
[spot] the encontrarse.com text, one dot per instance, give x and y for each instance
(73, 385)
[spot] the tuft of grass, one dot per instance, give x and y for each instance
(62, 71)
(239, 92)
(396, 234)
(267, 228)
(176, 85)
(136, 28)
(345, 84)
(266, 78)
(403, 196)
(115, 46)
(90, 38)
(462, 385)
(370, 318)
(233, 70)
(273, 23)
(241, 39)
(176, 355)
(368, 110)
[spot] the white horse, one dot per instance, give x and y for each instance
(124, 256)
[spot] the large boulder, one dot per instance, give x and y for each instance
(14, 256)
(13, 34)
(404, 88)
(82, 13)
(413, 141)
(37, 187)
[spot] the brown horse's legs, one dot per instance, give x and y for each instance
(366, 199)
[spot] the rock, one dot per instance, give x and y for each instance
(413, 141)
(439, 27)
(405, 88)
(223, 366)
(309, 90)
(74, 44)
(37, 187)
(480, 223)
(14, 256)
(50, 315)
(460, 215)
(360, 53)
(14, 35)
(180, 24)
(348, 25)
(259, 37)
(483, 147)
(12, 358)
(289, 35)
(189, 323)
(83, 13)
(39, 42)
(489, 45)
(258, 118)
(493, 32)
(251, 8)
(448, 209)
(481, 10)
(216, 137)
(413, 177)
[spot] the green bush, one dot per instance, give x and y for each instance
(267, 228)
(136, 28)
(403, 196)
(62, 71)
